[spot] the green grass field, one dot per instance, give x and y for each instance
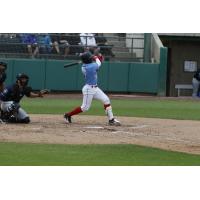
(92, 155)
(12, 154)
(171, 109)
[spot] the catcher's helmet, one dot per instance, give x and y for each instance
(20, 78)
(86, 58)
(3, 64)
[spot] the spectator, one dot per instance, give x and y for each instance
(8, 35)
(196, 83)
(63, 43)
(55, 44)
(105, 48)
(31, 41)
(88, 41)
(60, 43)
(74, 44)
(45, 43)
(48, 43)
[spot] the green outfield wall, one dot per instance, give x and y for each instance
(113, 76)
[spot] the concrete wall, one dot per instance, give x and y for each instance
(156, 44)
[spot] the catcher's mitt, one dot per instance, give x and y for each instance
(42, 92)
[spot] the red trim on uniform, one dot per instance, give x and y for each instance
(95, 57)
(100, 57)
(106, 105)
(75, 111)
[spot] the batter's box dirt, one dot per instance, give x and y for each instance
(176, 135)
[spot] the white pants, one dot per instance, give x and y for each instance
(195, 84)
(90, 93)
(20, 115)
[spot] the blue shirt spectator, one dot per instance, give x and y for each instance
(48, 42)
(27, 38)
(45, 43)
(31, 41)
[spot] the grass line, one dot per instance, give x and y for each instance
(15, 154)
(166, 109)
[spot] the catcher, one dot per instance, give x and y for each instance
(11, 96)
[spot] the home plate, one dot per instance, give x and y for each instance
(137, 127)
(36, 129)
(94, 127)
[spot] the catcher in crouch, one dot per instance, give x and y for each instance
(11, 96)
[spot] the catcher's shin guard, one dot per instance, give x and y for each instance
(26, 120)
(13, 119)
(5, 116)
(13, 108)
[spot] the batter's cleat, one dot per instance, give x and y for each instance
(68, 118)
(114, 122)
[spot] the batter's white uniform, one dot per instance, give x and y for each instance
(91, 90)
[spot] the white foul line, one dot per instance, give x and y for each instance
(95, 127)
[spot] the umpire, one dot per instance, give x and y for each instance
(196, 83)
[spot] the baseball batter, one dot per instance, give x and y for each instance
(196, 83)
(90, 67)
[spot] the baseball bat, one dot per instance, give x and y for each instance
(71, 64)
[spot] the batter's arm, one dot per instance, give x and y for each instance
(96, 59)
(83, 70)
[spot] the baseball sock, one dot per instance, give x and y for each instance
(108, 110)
(75, 111)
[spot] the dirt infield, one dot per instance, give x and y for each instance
(176, 135)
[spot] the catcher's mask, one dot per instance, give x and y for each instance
(3, 66)
(23, 79)
(86, 58)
